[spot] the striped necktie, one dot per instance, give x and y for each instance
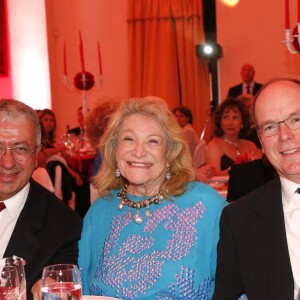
(2, 206)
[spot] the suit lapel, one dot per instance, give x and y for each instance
(269, 229)
(23, 241)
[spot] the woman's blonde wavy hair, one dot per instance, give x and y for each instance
(178, 156)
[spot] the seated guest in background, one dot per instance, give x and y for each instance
(96, 123)
(231, 124)
(258, 252)
(252, 134)
(248, 86)
(131, 248)
(55, 154)
(49, 145)
(80, 119)
(185, 119)
(34, 224)
(48, 122)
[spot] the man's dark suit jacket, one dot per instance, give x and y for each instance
(75, 130)
(47, 232)
(253, 255)
(238, 89)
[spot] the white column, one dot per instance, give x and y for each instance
(29, 52)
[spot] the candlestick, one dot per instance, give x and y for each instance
(287, 14)
(99, 58)
(81, 52)
(65, 60)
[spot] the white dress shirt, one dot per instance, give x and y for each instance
(9, 216)
(291, 209)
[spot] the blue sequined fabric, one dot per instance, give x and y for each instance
(171, 255)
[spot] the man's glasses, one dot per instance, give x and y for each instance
(19, 152)
(271, 129)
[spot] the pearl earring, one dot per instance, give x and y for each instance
(168, 174)
(117, 172)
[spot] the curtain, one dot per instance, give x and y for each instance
(163, 35)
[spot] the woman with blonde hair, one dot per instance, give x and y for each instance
(153, 232)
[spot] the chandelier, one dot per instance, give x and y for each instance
(292, 37)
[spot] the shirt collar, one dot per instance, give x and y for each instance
(288, 189)
(16, 203)
(251, 84)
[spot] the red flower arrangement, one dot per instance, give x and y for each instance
(84, 80)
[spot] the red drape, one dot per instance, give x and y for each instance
(163, 35)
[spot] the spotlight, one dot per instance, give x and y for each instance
(209, 51)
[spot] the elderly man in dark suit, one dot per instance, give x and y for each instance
(248, 86)
(34, 224)
(258, 251)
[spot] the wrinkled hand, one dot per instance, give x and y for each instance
(205, 173)
(36, 290)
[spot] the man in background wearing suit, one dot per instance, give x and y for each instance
(258, 251)
(34, 224)
(248, 86)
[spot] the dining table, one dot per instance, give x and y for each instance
(82, 162)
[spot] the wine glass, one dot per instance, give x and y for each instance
(19, 263)
(9, 282)
(61, 281)
(69, 143)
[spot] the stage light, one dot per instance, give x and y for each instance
(209, 51)
(230, 3)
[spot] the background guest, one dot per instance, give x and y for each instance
(96, 123)
(55, 155)
(258, 252)
(34, 224)
(50, 147)
(252, 134)
(248, 85)
(79, 130)
(130, 247)
(231, 124)
(185, 119)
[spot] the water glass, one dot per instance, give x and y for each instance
(18, 263)
(61, 281)
(9, 282)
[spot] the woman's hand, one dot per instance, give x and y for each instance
(205, 173)
(36, 290)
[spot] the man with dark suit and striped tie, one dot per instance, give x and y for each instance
(34, 224)
(248, 86)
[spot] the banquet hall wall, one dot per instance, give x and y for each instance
(250, 32)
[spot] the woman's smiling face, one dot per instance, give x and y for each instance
(141, 153)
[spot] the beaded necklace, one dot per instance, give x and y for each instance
(235, 144)
(124, 201)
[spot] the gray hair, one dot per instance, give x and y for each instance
(11, 109)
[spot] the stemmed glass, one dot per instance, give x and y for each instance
(9, 282)
(18, 263)
(61, 281)
(69, 142)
